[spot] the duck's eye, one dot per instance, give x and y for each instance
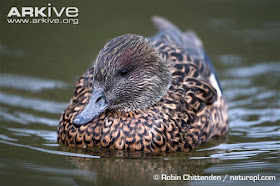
(124, 72)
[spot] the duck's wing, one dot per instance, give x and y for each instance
(188, 43)
(194, 47)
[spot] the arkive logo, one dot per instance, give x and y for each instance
(45, 14)
(43, 11)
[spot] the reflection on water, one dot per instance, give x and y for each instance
(46, 150)
(11, 53)
(254, 70)
(35, 87)
(32, 103)
(28, 83)
(25, 118)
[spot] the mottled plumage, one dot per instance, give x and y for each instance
(157, 94)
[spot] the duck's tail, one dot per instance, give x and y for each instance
(170, 34)
(188, 41)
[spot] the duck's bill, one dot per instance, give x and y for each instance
(96, 105)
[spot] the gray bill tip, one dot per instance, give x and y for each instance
(96, 105)
(80, 120)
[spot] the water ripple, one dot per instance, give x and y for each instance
(4, 137)
(255, 70)
(30, 84)
(17, 163)
(262, 132)
(230, 59)
(25, 118)
(255, 99)
(241, 150)
(49, 151)
(6, 51)
(45, 134)
(237, 82)
(32, 103)
(240, 166)
(249, 35)
(238, 116)
(266, 145)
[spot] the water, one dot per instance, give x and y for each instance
(40, 64)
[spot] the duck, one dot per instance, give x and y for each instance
(153, 94)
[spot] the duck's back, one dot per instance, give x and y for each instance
(194, 78)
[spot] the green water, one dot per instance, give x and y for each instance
(41, 62)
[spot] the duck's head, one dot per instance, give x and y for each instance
(129, 75)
